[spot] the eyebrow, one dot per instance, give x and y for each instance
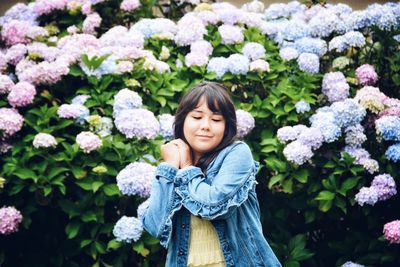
(200, 111)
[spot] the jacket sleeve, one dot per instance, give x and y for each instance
(229, 189)
(163, 203)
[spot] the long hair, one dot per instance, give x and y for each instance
(218, 100)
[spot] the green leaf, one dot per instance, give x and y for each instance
(291, 263)
(85, 242)
(302, 175)
(101, 248)
(96, 185)
(89, 216)
(325, 195)
(113, 245)
(72, 229)
(25, 174)
(275, 179)
(111, 190)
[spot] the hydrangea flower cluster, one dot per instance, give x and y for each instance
(245, 123)
(10, 218)
(10, 121)
(371, 98)
(308, 62)
(352, 264)
(76, 110)
(199, 53)
(366, 75)
(391, 231)
(136, 179)
(44, 140)
(128, 229)
(166, 126)
(235, 64)
(129, 5)
(302, 106)
(88, 141)
(382, 188)
(335, 86)
(362, 157)
(21, 94)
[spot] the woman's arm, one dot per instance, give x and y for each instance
(229, 189)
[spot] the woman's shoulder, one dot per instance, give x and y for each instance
(237, 146)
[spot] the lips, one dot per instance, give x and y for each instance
(204, 136)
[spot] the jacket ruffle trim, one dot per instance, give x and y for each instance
(166, 233)
(210, 211)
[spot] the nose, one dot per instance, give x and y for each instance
(205, 124)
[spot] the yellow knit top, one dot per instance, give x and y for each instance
(204, 246)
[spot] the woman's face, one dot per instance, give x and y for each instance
(203, 129)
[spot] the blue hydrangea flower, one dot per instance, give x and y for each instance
(354, 39)
(338, 43)
(295, 29)
(297, 152)
(136, 179)
(311, 137)
(287, 133)
(357, 20)
(385, 185)
(219, 65)
(142, 208)
(275, 11)
(138, 123)
(367, 195)
(348, 112)
(308, 62)
(288, 53)
(302, 106)
(150, 27)
(21, 12)
(80, 99)
(393, 152)
(324, 23)
(166, 126)
(126, 99)
(238, 64)
(253, 51)
(397, 37)
(325, 122)
(352, 264)
(128, 229)
(355, 135)
(311, 45)
(388, 127)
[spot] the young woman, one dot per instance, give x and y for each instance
(203, 206)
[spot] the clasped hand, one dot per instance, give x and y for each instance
(177, 153)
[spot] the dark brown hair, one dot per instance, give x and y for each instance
(218, 100)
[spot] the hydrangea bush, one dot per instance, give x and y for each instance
(88, 90)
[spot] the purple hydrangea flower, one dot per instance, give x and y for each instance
(139, 123)
(308, 62)
(335, 86)
(126, 99)
(128, 229)
(355, 135)
(297, 152)
(385, 185)
(253, 51)
(366, 75)
(238, 64)
(167, 126)
(5, 84)
(136, 179)
(129, 5)
(367, 195)
(302, 106)
(288, 53)
(311, 137)
(10, 218)
(245, 123)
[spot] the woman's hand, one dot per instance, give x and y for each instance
(170, 154)
(185, 153)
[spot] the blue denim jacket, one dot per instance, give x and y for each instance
(225, 195)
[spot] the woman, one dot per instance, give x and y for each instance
(203, 205)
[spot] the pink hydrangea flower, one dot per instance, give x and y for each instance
(16, 53)
(366, 75)
(44, 140)
(10, 218)
(14, 32)
(259, 65)
(21, 94)
(130, 5)
(391, 231)
(5, 84)
(88, 141)
(245, 123)
(91, 22)
(10, 121)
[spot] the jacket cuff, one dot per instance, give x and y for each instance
(186, 174)
(166, 170)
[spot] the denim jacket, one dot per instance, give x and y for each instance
(225, 195)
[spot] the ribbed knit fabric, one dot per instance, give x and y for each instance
(204, 247)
